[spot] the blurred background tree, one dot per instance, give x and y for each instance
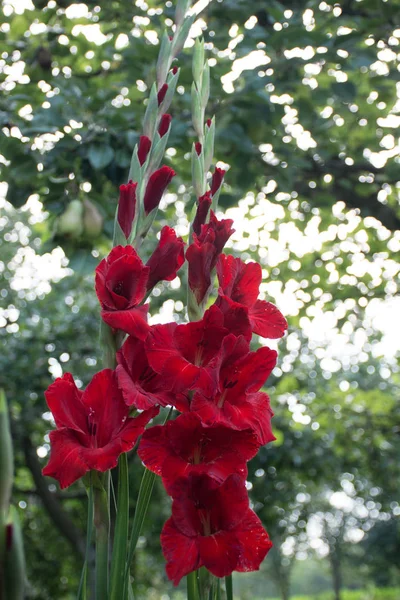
(306, 96)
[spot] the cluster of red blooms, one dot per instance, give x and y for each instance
(204, 369)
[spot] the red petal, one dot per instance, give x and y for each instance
(201, 258)
(153, 448)
(249, 373)
(267, 320)
(132, 321)
(66, 463)
(219, 553)
(65, 402)
(134, 427)
(159, 345)
(105, 406)
(254, 413)
(156, 186)
(232, 503)
(253, 541)
(167, 258)
(180, 551)
(126, 207)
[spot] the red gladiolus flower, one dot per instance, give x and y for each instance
(198, 147)
(186, 446)
(203, 253)
(156, 186)
(121, 283)
(213, 527)
(238, 403)
(127, 207)
(140, 385)
(165, 122)
(174, 70)
(239, 285)
(217, 179)
(93, 427)
(209, 123)
(143, 149)
(182, 353)
(162, 93)
(203, 207)
(167, 258)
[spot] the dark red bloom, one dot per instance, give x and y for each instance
(186, 446)
(161, 93)
(174, 70)
(121, 283)
(198, 148)
(238, 403)
(208, 123)
(239, 285)
(143, 148)
(203, 253)
(165, 122)
(182, 353)
(127, 207)
(167, 258)
(156, 186)
(203, 207)
(217, 179)
(141, 386)
(212, 526)
(93, 427)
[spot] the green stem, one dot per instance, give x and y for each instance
(102, 525)
(82, 591)
(142, 504)
(121, 532)
(192, 588)
(229, 587)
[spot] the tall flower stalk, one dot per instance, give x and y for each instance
(204, 370)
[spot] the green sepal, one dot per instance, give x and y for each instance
(198, 61)
(164, 59)
(209, 135)
(180, 38)
(158, 151)
(119, 238)
(14, 561)
(195, 311)
(135, 168)
(182, 6)
(151, 114)
(172, 82)
(205, 86)
(214, 204)
(197, 112)
(198, 172)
